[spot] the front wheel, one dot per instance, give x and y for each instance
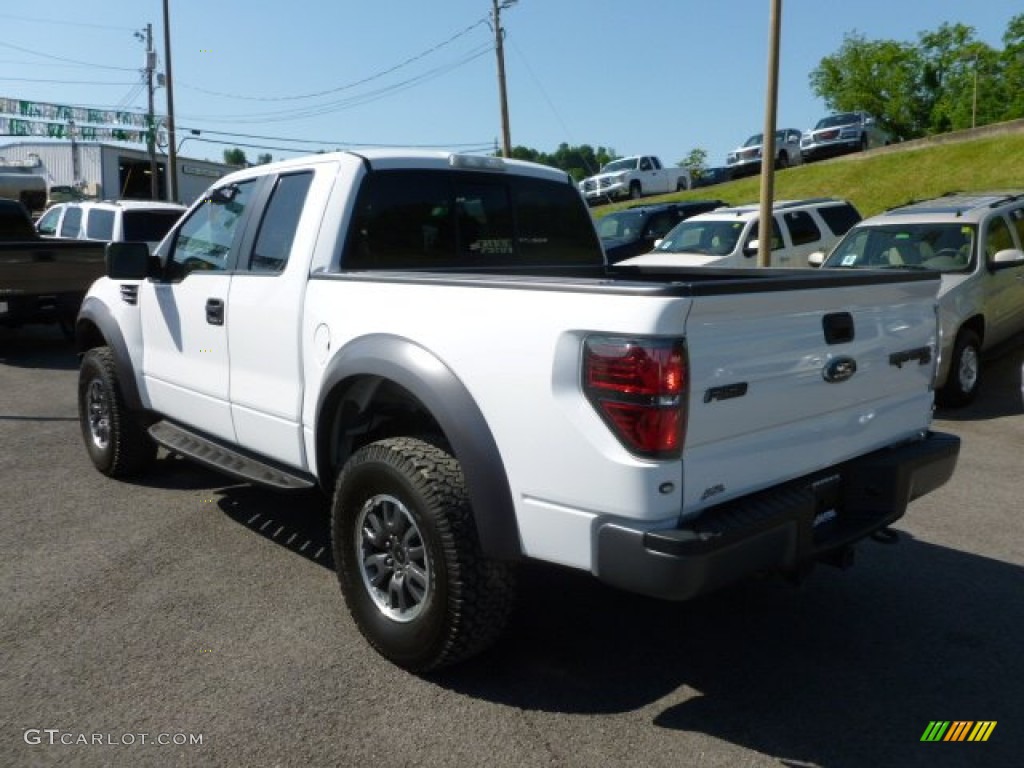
(116, 440)
(408, 558)
(964, 371)
(635, 190)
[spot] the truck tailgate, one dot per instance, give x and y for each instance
(786, 383)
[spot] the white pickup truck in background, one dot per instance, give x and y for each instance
(634, 177)
(436, 341)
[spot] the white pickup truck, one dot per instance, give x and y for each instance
(634, 177)
(437, 341)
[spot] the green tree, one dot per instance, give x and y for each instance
(578, 162)
(879, 76)
(264, 158)
(235, 156)
(696, 162)
(948, 80)
(1007, 84)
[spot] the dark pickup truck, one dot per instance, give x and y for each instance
(42, 280)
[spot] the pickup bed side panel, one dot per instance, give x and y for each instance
(508, 349)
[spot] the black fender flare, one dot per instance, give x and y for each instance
(96, 312)
(449, 403)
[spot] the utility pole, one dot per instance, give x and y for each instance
(499, 49)
(764, 230)
(172, 152)
(154, 175)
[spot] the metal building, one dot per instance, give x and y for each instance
(109, 171)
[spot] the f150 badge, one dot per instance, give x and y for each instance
(839, 369)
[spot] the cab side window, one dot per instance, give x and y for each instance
(47, 225)
(998, 237)
(802, 228)
(205, 240)
(280, 223)
(71, 226)
(1017, 217)
(100, 224)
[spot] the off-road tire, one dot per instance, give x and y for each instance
(964, 376)
(461, 599)
(115, 439)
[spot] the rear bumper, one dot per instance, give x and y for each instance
(779, 528)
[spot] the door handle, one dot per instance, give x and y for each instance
(215, 311)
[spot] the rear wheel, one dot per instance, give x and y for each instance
(116, 440)
(408, 558)
(964, 371)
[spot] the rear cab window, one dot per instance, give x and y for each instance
(424, 219)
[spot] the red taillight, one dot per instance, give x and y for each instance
(638, 386)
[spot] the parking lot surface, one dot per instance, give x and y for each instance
(190, 620)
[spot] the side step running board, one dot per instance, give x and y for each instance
(218, 456)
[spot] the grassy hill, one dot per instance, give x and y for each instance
(875, 182)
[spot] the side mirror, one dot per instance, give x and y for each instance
(750, 249)
(130, 261)
(1008, 257)
(816, 259)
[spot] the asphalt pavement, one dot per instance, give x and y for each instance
(187, 619)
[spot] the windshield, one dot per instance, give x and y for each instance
(626, 224)
(712, 238)
(627, 164)
(834, 120)
(753, 141)
(938, 247)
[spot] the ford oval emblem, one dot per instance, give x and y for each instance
(839, 369)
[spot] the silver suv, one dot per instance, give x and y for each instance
(976, 241)
(841, 134)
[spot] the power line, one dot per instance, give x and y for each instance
(336, 106)
(346, 86)
(347, 142)
(61, 58)
(65, 23)
(63, 82)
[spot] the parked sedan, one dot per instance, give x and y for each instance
(746, 159)
(842, 134)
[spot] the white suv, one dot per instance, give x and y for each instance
(111, 220)
(977, 242)
(728, 237)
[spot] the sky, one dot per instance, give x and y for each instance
(655, 77)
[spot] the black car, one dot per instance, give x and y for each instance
(710, 176)
(632, 231)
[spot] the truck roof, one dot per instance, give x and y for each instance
(399, 158)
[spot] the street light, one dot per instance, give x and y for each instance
(194, 133)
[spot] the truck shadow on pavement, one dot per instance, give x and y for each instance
(846, 670)
(37, 346)
(1001, 392)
